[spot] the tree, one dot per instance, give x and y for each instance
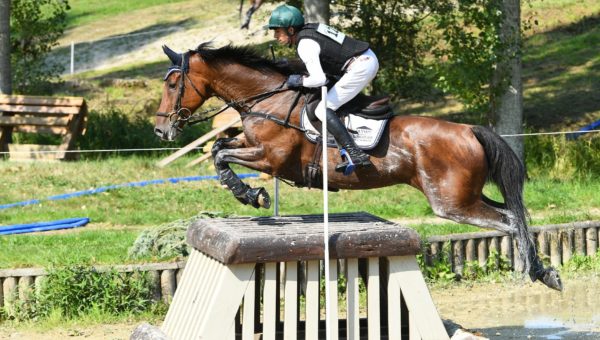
(508, 108)
(316, 11)
(35, 27)
(5, 74)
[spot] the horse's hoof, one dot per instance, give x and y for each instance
(552, 279)
(259, 197)
(264, 200)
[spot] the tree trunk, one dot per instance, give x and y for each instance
(509, 113)
(316, 11)
(5, 74)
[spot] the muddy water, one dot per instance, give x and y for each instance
(523, 310)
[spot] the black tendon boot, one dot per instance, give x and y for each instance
(355, 157)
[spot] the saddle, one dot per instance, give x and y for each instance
(365, 117)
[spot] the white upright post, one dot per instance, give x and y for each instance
(72, 57)
(326, 220)
(276, 201)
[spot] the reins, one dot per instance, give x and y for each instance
(184, 116)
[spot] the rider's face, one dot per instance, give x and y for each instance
(281, 35)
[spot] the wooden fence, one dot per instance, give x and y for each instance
(557, 242)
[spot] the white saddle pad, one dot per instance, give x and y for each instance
(366, 132)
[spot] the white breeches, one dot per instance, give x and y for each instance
(357, 76)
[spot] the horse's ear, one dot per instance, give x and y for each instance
(173, 56)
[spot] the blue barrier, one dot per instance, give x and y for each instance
(44, 226)
(117, 186)
(585, 129)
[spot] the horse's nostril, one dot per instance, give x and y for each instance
(158, 132)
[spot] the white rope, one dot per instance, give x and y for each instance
(93, 151)
(199, 148)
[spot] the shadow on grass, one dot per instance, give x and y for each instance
(561, 72)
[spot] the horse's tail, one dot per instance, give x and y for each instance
(507, 171)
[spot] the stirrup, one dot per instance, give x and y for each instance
(346, 167)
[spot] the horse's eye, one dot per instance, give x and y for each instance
(172, 86)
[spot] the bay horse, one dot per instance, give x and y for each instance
(448, 162)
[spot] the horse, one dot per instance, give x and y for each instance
(448, 162)
(254, 6)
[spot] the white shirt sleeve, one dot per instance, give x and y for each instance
(308, 51)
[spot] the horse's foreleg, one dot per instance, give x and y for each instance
(257, 197)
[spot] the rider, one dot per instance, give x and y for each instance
(324, 50)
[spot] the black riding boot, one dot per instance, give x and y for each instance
(343, 138)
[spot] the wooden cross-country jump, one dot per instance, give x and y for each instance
(245, 278)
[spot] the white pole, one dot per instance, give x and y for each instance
(276, 203)
(72, 57)
(326, 219)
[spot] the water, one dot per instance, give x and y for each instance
(521, 311)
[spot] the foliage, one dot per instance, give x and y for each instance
(35, 27)
(581, 263)
(440, 270)
(428, 47)
(78, 290)
(560, 158)
(166, 241)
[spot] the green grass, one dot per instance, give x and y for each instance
(86, 11)
(82, 246)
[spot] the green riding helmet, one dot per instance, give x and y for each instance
(286, 16)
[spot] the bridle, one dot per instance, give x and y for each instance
(180, 115)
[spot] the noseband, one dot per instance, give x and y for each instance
(184, 116)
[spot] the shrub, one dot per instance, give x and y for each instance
(560, 158)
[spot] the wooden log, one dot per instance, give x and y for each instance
(471, 250)
(9, 286)
(155, 285)
(167, 285)
(436, 250)
(494, 247)
(38, 283)
(506, 249)
(543, 244)
(458, 252)
(579, 240)
(1, 293)
(567, 240)
(25, 288)
(482, 251)
(518, 262)
(591, 241)
(427, 254)
(555, 248)
(247, 240)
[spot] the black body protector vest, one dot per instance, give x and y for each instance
(336, 47)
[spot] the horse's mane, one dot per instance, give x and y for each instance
(244, 55)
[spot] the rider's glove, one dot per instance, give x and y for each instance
(294, 81)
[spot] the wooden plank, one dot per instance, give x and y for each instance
(312, 300)
(333, 303)
(248, 310)
(270, 304)
(268, 239)
(374, 324)
(290, 324)
(224, 117)
(422, 312)
(205, 156)
(30, 120)
(196, 143)
(39, 109)
(352, 300)
(41, 100)
(394, 308)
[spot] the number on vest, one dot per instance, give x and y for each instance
(331, 33)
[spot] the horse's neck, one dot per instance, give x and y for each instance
(234, 85)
